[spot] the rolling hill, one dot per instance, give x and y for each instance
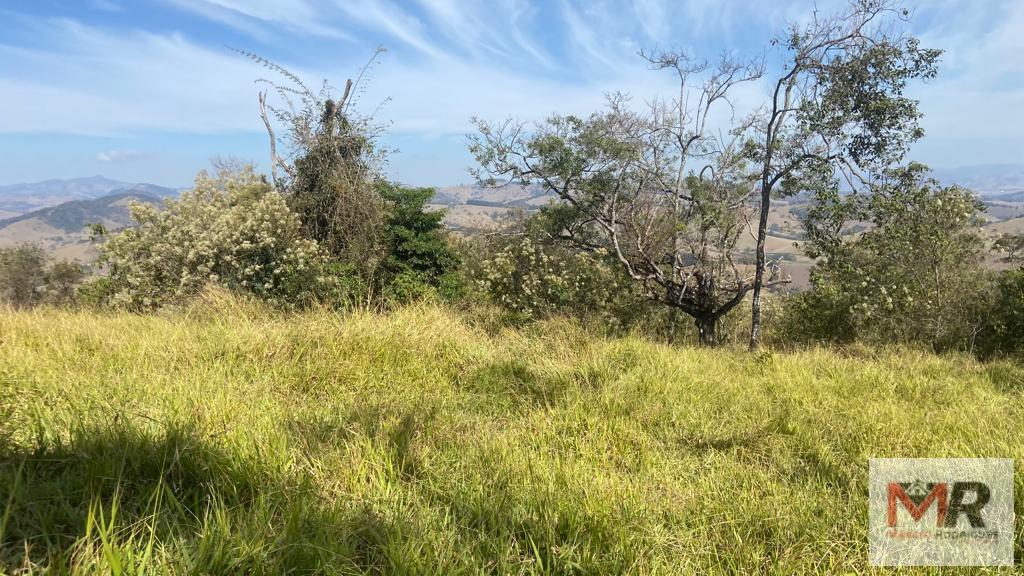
(28, 197)
(61, 229)
(470, 209)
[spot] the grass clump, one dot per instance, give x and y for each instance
(232, 440)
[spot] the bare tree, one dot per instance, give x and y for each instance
(836, 108)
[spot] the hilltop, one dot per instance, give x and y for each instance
(225, 438)
(54, 213)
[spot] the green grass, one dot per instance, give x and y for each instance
(227, 440)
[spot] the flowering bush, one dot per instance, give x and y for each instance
(233, 230)
(536, 280)
(914, 275)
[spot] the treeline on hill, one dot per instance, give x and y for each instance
(652, 205)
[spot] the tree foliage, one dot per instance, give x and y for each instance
(29, 277)
(837, 107)
(1004, 334)
(333, 181)
(419, 258)
(531, 276)
(655, 191)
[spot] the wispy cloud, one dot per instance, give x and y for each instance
(391, 20)
(99, 82)
(453, 59)
(106, 5)
(297, 15)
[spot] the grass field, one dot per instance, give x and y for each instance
(226, 440)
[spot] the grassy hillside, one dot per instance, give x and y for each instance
(224, 439)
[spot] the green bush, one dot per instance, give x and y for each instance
(915, 276)
(420, 261)
(533, 280)
(28, 277)
(1004, 333)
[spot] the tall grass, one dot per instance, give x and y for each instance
(225, 439)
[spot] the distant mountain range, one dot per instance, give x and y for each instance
(55, 213)
(21, 198)
(990, 180)
(110, 210)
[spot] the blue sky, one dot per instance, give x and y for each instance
(148, 90)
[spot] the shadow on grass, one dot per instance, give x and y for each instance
(174, 502)
(1006, 377)
(517, 380)
(315, 434)
(778, 424)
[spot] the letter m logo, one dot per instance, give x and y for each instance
(917, 497)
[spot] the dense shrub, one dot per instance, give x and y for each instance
(1004, 330)
(233, 230)
(420, 260)
(914, 276)
(531, 277)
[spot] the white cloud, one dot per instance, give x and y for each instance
(118, 156)
(385, 17)
(103, 83)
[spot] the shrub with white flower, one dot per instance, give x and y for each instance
(913, 275)
(232, 230)
(536, 280)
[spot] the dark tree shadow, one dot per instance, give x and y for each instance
(218, 511)
(517, 381)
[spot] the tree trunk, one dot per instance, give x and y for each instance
(673, 322)
(755, 307)
(707, 330)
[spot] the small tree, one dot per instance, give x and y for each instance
(22, 275)
(63, 279)
(837, 106)
(419, 257)
(1005, 316)
(656, 190)
(28, 277)
(1010, 247)
(660, 191)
